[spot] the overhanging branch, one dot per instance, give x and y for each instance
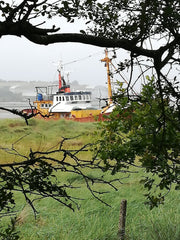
(90, 39)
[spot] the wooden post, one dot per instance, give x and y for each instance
(122, 220)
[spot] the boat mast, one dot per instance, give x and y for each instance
(107, 60)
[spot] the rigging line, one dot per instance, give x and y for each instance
(81, 59)
(124, 79)
(91, 55)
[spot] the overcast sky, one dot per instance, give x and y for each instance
(23, 60)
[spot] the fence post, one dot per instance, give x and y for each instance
(122, 220)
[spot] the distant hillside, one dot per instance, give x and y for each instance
(7, 96)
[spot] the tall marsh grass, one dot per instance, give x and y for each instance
(94, 220)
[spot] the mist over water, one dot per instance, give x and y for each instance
(12, 105)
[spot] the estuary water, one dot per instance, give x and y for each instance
(12, 105)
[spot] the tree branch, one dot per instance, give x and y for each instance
(90, 39)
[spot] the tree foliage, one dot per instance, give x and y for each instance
(144, 133)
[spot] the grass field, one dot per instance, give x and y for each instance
(94, 220)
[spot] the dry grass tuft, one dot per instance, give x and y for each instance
(23, 216)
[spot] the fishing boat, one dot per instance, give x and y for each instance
(64, 103)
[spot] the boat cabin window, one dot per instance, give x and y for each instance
(45, 105)
(88, 97)
(84, 97)
(61, 98)
(67, 98)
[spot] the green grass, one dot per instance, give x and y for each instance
(41, 135)
(94, 220)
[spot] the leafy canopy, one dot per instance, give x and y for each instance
(144, 133)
